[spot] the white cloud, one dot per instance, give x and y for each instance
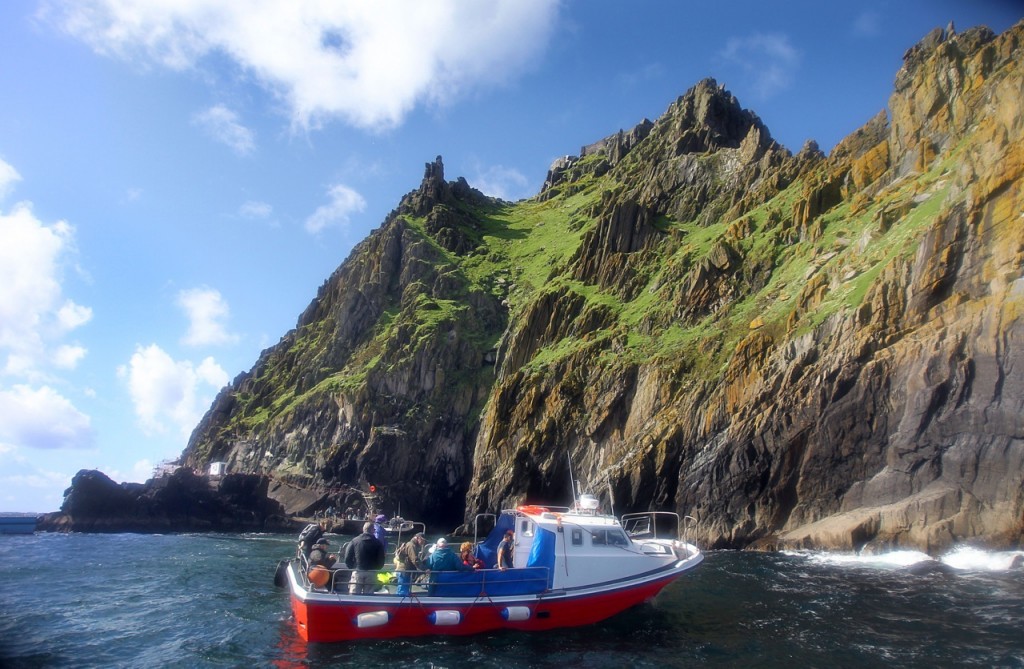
(165, 391)
(344, 202)
(8, 177)
(503, 182)
(255, 209)
(34, 314)
(68, 356)
(368, 63)
(767, 61)
(27, 486)
(42, 418)
(222, 124)
(140, 472)
(207, 312)
(71, 316)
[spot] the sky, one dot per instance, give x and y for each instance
(179, 177)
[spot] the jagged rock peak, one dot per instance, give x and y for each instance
(708, 117)
(433, 190)
(919, 54)
(433, 174)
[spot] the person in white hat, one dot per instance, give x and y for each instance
(444, 558)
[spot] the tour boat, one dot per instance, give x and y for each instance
(573, 566)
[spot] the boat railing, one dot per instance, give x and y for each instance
(488, 582)
(491, 518)
(476, 583)
(657, 525)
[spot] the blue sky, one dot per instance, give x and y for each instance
(177, 178)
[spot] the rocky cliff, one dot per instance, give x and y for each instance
(797, 350)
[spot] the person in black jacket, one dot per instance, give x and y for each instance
(310, 535)
(320, 556)
(365, 556)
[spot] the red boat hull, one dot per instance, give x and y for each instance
(326, 621)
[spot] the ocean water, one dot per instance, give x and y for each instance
(125, 600)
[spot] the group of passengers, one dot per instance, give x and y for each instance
(365, 556)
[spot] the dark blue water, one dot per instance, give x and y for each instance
(209, 601)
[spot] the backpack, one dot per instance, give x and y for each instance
(309, 535)
(401, 555)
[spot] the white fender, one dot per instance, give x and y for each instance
(445, 617)
(372, 619)
(514, 613)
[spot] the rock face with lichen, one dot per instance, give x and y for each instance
(797, 350)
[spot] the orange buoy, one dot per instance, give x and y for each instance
(319, 575)
(532, 509)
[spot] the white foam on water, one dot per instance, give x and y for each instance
(967, 558)
(891, 559)
(962, 558)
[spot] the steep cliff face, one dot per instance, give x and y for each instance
(828, 355)
(383, 378)
(798, 350)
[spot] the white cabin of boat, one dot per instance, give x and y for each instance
(581, 547)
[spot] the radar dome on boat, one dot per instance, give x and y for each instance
(588, 502)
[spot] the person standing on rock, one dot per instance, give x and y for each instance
(365, 556)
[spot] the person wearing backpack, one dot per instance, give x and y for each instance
(310, 535)
(408, 562)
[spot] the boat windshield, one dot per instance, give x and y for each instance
(608, 537)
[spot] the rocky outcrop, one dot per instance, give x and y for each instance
(179, 502)
(797, 350)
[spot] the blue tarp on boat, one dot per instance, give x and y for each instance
(487, 550)
(490, 583)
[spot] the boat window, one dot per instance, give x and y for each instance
(577, 536)
(525, 528)
(608, 538)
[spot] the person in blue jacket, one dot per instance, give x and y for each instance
(444, 558)
(379, 531)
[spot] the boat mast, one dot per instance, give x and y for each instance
(572, 483)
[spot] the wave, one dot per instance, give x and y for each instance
(961, 558)
(974, 559)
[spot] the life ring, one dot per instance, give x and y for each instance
(532, 509)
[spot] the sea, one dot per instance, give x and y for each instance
(208, 600)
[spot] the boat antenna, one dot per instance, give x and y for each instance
(572, 483)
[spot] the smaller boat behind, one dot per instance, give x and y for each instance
(573, 566)
(17, 523)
